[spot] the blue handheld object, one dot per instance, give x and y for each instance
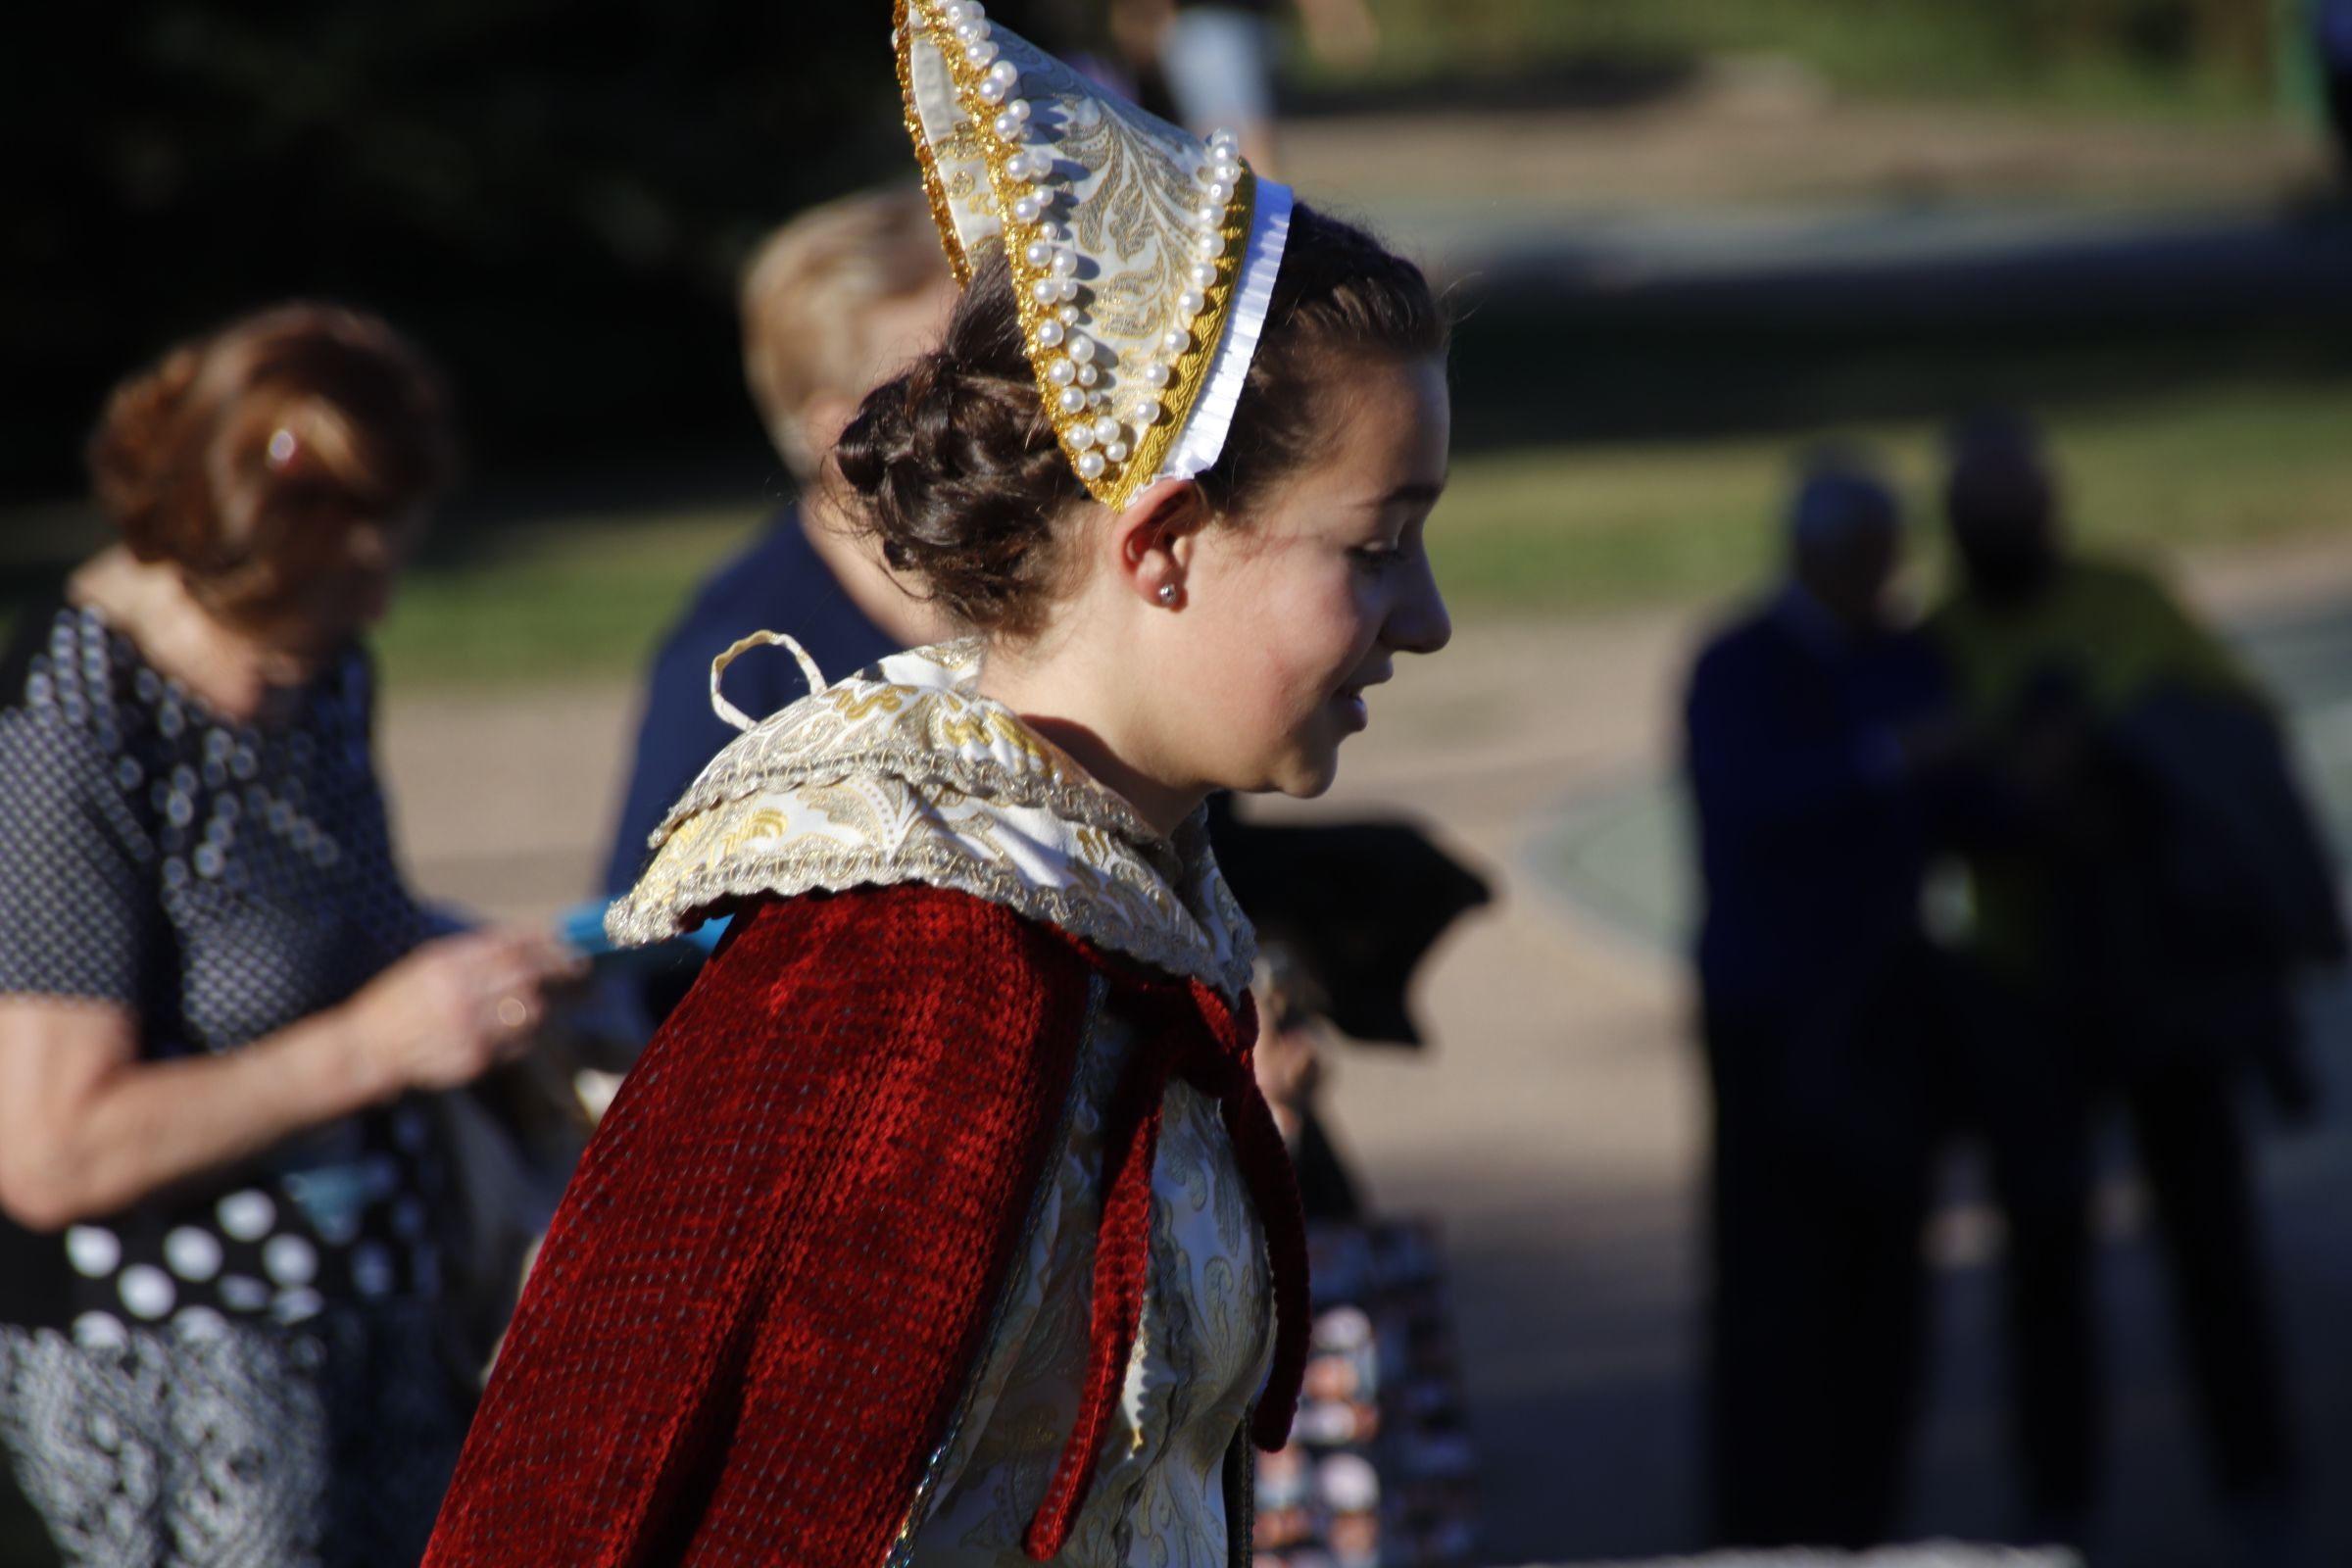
(582, 928)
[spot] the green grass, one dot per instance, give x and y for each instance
(1537, 532)
(1527, 533)
(561, 598)
(1546, 531)
(557, 598)
(2130, 55)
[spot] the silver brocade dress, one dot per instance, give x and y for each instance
(904, 774)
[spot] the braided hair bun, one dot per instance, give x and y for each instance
(959, 469)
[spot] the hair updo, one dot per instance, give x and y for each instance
(248, 458)
(962, 477)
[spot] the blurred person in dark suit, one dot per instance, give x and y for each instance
(2138, 926)
(2331, 38)
(832, 303)
(1811, 727)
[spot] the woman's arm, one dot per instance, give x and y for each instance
(87, 1128)
(773, 1273)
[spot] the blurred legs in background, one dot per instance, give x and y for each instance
(2019, 1086)
(1815, 1336)
(2184, 1127)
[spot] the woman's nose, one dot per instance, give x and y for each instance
(1419, 624)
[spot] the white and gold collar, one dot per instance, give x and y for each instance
(902, 773)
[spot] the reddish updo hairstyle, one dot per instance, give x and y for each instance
(248, 458)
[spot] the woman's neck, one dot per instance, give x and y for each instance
(236, 675)
(853, 559)
(1061, 701)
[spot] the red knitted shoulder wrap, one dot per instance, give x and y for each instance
(771, 1276)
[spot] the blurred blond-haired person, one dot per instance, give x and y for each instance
(832, 303)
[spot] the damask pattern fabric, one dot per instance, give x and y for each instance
(1141, 258)
(317, 1446)
(1200, 1357)
(222, 881)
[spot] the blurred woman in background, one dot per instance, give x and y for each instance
(218, 1002)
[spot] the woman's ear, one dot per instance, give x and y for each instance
(1152, 541)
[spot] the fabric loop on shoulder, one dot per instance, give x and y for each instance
(743, 645)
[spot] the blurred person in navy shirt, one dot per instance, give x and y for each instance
(832, 304)
(2331, 39)
(1812, 724)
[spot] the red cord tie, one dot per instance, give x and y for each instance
(1219, 1061)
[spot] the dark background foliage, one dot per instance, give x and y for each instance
(551, 195)
(554, 195)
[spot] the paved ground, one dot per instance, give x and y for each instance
(1554, 1130)
(1758, 162)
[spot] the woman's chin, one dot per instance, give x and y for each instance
(1305, 777)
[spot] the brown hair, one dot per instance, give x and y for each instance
(247, 458)
(961, 476)
(806, 298)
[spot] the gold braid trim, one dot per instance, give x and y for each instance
(902, 37)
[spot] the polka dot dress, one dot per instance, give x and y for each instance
(223, 881)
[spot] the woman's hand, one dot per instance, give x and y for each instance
(458, 1006)
(87, 1127)
(1288, 1069)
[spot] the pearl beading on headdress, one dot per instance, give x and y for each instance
(1116, 396)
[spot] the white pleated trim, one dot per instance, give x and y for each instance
(1212, 421)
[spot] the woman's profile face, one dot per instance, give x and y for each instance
(1297, 612)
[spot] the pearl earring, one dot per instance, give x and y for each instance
(1167, 595)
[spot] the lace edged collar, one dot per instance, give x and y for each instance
(902, 773)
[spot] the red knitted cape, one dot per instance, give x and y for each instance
(772, 1276)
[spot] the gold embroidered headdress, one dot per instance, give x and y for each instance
(1143, 258)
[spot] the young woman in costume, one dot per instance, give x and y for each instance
(944, 1223)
